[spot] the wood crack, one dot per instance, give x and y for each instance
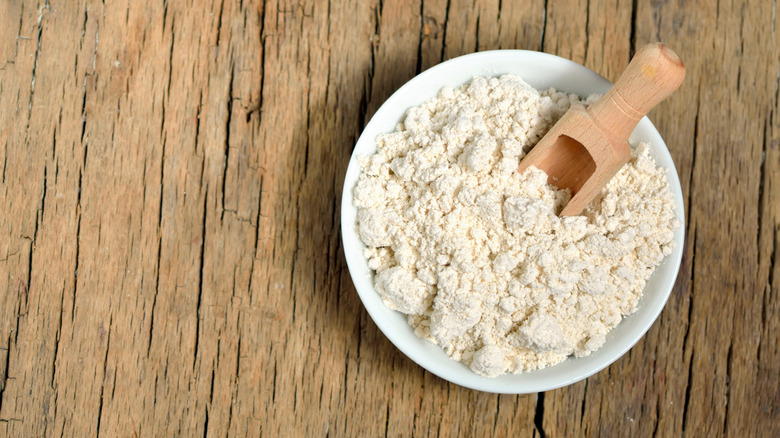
(632, 36)
(686, 404)
(544, 26)
(273, 384)
(444, 31)
(761, 177)
(6, 367)
(78, 234)
(539, 415)
(587, 32)
(159, 248)
(234, 396)
(57, 336)
(583, 425)
(210, 402)
(197, 127)
(257, 238)
(5, 160)
(387, 418)
(196, 351)
(767, 294)
(693, 164)
(476, 35)
(727, 393)
(420, 37)
(219, 27)
(170, 57)
(103, 380)
(496, 415)
(36, 56)
(227, 140)
(308, 120)
(259, 107)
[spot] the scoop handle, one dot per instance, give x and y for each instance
(653, 74)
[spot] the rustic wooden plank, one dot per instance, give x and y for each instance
(171, 180)
(755, 215)
(40, 178)
(729, 132)
(761, 404)
(315, 373)
(669, 353)
(108, 334)
(21, 210)
(718, 299)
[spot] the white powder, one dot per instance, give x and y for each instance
(474, 252)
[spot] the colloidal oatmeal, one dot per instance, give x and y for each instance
(474, 253)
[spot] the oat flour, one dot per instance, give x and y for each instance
(474, 253)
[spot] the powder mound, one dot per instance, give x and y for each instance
(401, 290)
(475, 254)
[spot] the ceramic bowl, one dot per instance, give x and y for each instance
(541, 71)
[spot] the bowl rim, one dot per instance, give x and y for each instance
(428, 358)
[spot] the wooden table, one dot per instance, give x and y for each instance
(170, 261)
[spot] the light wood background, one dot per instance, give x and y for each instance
(170, 258)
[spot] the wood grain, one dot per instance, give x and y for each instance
(170, 261)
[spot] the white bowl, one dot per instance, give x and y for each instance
(541, 71)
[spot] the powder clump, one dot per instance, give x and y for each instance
(474, 252)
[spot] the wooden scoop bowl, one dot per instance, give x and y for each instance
(587, 147)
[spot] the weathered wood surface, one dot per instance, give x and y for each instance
(170, 259)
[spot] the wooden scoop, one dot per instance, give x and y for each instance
(586, 148)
